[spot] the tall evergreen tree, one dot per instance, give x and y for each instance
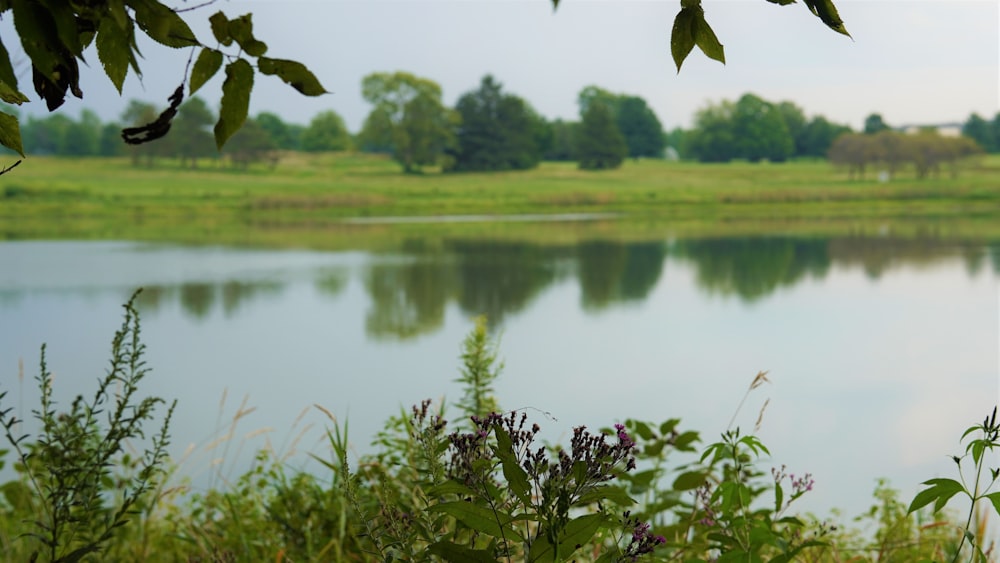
(498, 131)
(874, 124)
(981, 131)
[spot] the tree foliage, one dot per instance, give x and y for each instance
(326, 132)
(55, 33)
(755, 129)
(409, 118)
(599, 143)
(925, 151)
(636, 121)
(498, 130)
(985, 133)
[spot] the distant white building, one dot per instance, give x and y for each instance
(943, 129)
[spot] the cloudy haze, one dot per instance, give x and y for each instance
(911, 61)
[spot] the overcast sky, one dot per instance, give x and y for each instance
(912, 61)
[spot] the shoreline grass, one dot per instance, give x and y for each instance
(311, 200)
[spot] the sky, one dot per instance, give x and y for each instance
(914, 62)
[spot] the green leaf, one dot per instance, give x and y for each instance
(10, 95)
(235, 100)
(477, 517)
(577, 532)
(939, 492)
(706, 40)
(6, 69)
(668, 426)
(162, 24)
(779, 497)
(682, 36)
(117, 10)
(782, 2)
(66, 28)
(208, 63)
(459, 554)
(113, 49)
(449, 487)
(36, 29)
(617, 495)
(292, 73)
(995, 499)
(10, 133)
(241, 29)
(826, 11)
(220, 28)
(517, 479)
(689, 480)
(643, 430)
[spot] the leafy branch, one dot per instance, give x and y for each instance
(55, 33)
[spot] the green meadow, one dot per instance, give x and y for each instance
(342, 200)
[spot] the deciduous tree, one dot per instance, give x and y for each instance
(409, 117)
(326, 132)
(194, 118)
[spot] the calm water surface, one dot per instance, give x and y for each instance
(880, 351)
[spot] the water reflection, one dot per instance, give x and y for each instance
(754, 268)
(199, 299)
(409, 291)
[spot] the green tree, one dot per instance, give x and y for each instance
(637, 123)
(191, 131)
(250, 145)
(760, 131)
(408, 117)
(286, 135)
(80, 137)
(599, 144)
(45, 136)
(592, 95)
(641, 128)
(563, 145)
(874, 124)
(109, 141)
(795, 120)
(980, 131)
(498, 131)
(326, 132)
(712, 139)
(817, 136)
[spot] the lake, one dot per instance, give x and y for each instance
(880, 350)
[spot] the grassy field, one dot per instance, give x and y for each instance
(334, 200)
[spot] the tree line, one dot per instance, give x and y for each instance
(490, 129)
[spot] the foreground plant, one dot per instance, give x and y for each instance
(79, 481)
(940, 491)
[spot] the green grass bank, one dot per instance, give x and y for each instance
(337, 200)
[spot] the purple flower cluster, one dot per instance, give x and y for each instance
(643, 540)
